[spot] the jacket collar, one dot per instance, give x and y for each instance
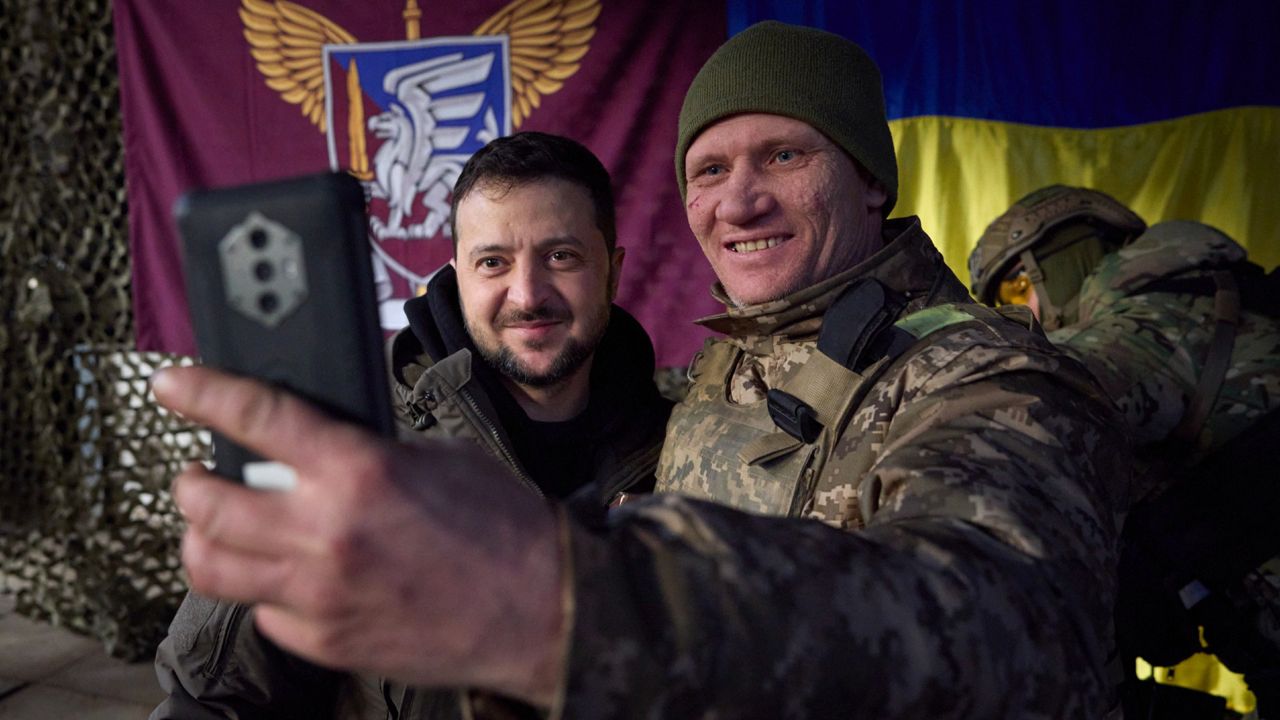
(908, 264)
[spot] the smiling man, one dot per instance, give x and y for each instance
(778, 207)
(520, 331)
(924, 488)
(960, 470)
(531, 296)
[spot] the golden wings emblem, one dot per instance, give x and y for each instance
(548, 39)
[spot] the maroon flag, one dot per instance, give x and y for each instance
(400, 96)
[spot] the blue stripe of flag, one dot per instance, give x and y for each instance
(1077, 63)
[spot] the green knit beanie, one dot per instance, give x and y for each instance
(802, 73)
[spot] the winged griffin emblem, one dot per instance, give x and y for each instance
(426, 113)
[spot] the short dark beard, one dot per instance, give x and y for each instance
(503, 359)
(570, 359)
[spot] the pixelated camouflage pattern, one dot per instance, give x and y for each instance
(1147, 349)
(978, 582)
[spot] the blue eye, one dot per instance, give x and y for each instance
(785, 156)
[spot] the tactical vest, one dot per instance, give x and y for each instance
(766, 457)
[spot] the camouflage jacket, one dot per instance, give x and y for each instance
(1147, 340)
(214, 663)
(946, 551)
(1147, 347)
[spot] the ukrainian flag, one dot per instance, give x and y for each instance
(1172, 108)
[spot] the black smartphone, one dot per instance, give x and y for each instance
(281, 288)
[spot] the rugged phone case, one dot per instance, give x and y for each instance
(280, 288)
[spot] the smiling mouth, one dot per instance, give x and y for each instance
(750, 246)
(535, 325)
(524, 319)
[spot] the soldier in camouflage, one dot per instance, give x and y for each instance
(880, 500)
(1182, 334)
(1101, 283)
(959, 488)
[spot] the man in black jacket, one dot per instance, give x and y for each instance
(516, 348)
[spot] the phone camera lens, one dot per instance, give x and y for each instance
(258, 238)
(263, 271)
(268, 302)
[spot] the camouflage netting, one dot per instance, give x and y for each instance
(88, 534)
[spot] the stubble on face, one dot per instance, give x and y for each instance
(572, 356)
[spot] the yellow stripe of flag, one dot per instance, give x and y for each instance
(1220, 168)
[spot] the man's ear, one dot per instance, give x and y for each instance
(876, 196)
(453, 262)
(615, 271)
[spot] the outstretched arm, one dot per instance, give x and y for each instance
(981, 587)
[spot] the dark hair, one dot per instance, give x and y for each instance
(526, 157)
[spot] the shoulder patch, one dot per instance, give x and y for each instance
(933, 319)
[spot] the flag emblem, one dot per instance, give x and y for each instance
(403, 116)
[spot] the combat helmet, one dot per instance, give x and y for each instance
(1025, 228)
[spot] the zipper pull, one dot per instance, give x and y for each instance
(422, 418)
(423, 421)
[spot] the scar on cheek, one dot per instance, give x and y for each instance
(694, 202)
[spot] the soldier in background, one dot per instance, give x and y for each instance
(879, 499)
(1182, 333)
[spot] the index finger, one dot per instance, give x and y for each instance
(267, 420)
(234, 516)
